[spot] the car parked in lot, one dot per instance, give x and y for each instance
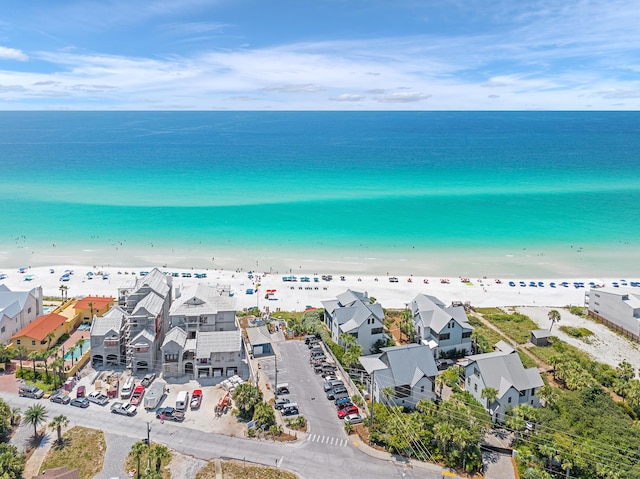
(351, 409)
(170, 414)
(353, 418)
(343, 402)
(30, 392)
(136, 397)
(80, 402)
(123, 408)
(60, 398)
(280, 403)
(290, 409)
(282, 388)
(98, 398)
(330, 377)
(148, 379)
(336, 391)
(340, 395)
(329, 385)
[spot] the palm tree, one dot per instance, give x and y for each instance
(137, 450)
(58, 365)
(11, 463)
(490, 394)
(35, 415)
(91, 307)
(58, 423)
(554, 317)
(14, 417)
(20, 352)
(79, 343)
(34, 356)
(160, 453)
(50, 337)
(44, 355)
(64, 291)
(440, 382)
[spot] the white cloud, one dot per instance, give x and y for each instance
(7, 53)
(347, 97)
(402, 97)
(304, 88)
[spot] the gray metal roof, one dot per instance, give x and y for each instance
(502, 370)
(112, 320)
(431, 313)
(258, 335)
(151, 303)
(201, 299)
(12, 302)
(541, 333)
(403, 365)
(146, 334)
(352, 309)
(156, 280)
(176, 334)
(217, 342)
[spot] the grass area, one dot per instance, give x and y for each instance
(241, 470)
(527, 361)
(487, 333)
(484, 311)
(580, 333)
(544, 353)
(517, 326)
(82, 448)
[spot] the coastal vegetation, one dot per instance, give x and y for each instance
(242, 470)
(579, 333)
(11, 461)
(151, 460)
(81, 448)
(516, 326)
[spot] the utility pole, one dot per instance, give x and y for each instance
(275, 387)
(148, 446)
(373, 397)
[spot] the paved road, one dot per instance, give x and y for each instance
(326, 451)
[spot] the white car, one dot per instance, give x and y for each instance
(98, 398)
(123, 408)
(353, 418)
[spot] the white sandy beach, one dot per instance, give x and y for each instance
(296, 296)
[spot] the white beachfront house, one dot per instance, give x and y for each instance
(401, 375)
(353, 313)
(204, 340)
(503, 371)
(17, 310)
(443, 328)
(618, 308)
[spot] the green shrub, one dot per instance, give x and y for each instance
(574, 332)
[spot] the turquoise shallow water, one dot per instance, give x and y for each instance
(353, 191)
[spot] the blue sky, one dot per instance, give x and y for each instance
(320, 55)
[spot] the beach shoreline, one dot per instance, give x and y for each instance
(301, 295)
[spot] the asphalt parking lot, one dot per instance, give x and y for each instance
(306, 389)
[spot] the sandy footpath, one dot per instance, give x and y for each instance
(296, 296)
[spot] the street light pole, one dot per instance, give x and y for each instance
(275, 388)
(148, 446)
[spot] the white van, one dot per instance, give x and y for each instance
(127, 389)
(182, 401)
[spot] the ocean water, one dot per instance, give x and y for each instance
(406, 192)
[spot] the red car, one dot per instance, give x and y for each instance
(351, 409)
(136, 397)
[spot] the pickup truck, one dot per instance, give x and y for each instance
(169, 413)
(136, 397)
(123, 408)
(196, 398)
(98, 398)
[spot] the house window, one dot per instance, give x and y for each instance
(355, 335)
(466, 335)
(475, 387)
(509, 401)
(377, 330)
(170, 358)
(403, 391)
(522, 393)
(33, 343)
(2, 330)
(421, 389)
(468, 381)
(44, 341)
(444, 337)
(17, 341)
(28, 310)
(533, 391)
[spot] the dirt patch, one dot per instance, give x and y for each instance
(82, 448)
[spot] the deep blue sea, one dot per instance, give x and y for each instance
(450, 192)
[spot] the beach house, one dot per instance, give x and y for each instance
(502, 371)
(204, 339)
(145, 304)
(107, 338)
(445, 329)
(618, 308)
(353, 313)
(401, 375)
(89, 306)
(40, 333)
(17, 310)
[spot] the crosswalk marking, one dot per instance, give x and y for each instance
(332, 441)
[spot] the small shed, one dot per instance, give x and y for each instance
(260, 341)
(540, 337)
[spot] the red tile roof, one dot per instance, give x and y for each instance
(41, 326)
(99, 302)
